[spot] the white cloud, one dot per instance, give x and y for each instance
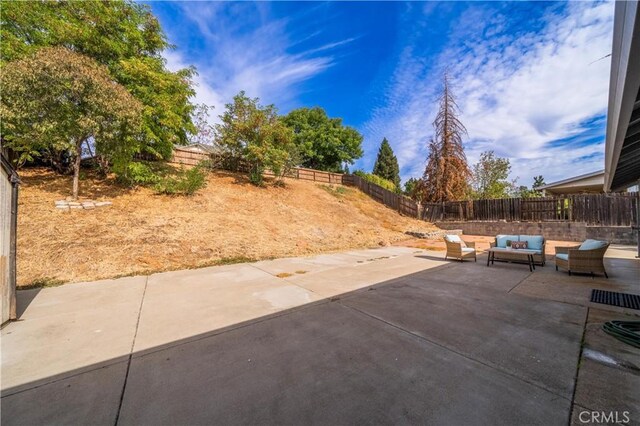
(246, 50)
(517, 93)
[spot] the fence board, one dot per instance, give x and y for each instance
(617, 209)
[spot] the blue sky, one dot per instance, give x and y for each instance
(529, 78)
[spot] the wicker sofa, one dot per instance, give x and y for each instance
(586, 258)
(459, 249)
(535, 242)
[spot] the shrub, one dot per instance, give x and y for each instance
(137, 173)
(377, 180)
(257, 135)
(186, 182)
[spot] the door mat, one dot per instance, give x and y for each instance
(613, 298)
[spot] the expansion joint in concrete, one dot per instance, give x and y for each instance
(133, 344)
(575, 378)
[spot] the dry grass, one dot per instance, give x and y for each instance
(229, 221)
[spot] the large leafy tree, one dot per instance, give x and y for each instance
(491, 177)
(447, 173)
(126, 38)
(257, 135)
(386, 165)
(60, 100)
(323, 143)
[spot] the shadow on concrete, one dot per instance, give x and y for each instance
(25, 299)
(447, 345)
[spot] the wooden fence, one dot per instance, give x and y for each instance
(402, 204)
(616, 209)
(188, 157)
(193, 158)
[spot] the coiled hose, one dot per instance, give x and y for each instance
(625, 331)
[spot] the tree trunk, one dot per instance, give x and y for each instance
(76, 170)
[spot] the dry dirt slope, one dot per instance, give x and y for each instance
(230, 220)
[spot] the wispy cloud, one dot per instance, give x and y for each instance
(244, 48)
(519, 90)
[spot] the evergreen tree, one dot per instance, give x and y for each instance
(387, 164)
(447, 172)
(538, 181)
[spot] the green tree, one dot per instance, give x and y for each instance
(524, 192)
(323, 143)
(257, 135)
(126, 38)
(386, 165)
(60, 100)
(538, 181)
(447, 173)
(412, 188)
(491, 177)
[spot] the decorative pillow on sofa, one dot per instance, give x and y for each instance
(519, 245)
(535, 242)
(501, 240)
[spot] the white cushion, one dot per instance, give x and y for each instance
(468, 249)
(453, 238)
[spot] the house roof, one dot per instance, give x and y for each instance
(622, 148)
(592, 182)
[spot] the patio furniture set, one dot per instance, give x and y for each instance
(587, 257)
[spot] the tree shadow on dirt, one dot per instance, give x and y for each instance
(92, 184)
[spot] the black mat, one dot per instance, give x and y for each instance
(613, 298)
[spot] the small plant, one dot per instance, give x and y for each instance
(184, 183)
(336, 191)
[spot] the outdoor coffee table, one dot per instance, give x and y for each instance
(523, 253)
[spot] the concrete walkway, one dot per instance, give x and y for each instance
(391, 335)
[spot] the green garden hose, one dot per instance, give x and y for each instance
(625, 331)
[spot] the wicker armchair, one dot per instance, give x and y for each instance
(585, 261)
(460, 250)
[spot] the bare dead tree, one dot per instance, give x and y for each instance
(447, 172)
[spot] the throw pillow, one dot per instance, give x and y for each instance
(519, 245)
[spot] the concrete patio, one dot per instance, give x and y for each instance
(390, 335)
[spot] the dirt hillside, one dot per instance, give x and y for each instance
(228, 221)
